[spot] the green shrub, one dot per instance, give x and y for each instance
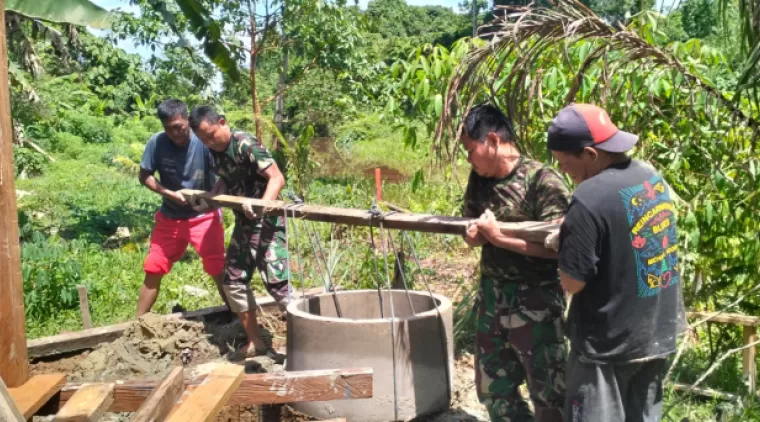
(93, 130)
(152, 124)
(50, 276)
(27, 162)
(69, 144)
(131, 133)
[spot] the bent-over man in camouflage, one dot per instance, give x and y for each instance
(245, 168)
(520, 302)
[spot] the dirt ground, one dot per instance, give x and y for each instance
(153, 345)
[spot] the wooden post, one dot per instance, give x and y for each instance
(749, 364)
(378, 186)
(14, 363)
(84, 307)
(399, 277)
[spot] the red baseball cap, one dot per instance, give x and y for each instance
(585, 125)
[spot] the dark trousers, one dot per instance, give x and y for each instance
(622, 393)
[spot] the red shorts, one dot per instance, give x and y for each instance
(170, 238)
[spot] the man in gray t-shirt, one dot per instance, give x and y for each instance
(182, 162)
(618, 257)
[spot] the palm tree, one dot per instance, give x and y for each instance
(749, 15)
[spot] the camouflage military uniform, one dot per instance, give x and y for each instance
(520, 302)
(261, 242)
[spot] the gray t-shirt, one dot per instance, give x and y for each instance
(179, 168)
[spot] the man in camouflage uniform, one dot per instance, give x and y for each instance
(520, 302)
(245, 168)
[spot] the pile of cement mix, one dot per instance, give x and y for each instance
(152, 345)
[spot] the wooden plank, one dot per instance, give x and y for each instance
(726, 318)
(89, 339)
(31, 396)
(750, 363)
(84, 307)
(705, 392)
(158, 405)
(14, 363)
(305, 386)
(533, 231)
(256, 389)
(8, 410)
(88, 404)
(210, 396)
(70, 342)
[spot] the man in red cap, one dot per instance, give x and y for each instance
(618, 257)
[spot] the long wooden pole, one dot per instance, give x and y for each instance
(532, 231)
(14, 363)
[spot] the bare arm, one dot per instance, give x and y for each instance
(521, 246)
(570, 284)
(149, 181)
(488, 227)
(275, 183)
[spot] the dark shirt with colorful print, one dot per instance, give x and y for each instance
(531, 192)
(620, 238)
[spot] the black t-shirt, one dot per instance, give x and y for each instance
(619, 237)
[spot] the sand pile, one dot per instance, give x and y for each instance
(152, 345)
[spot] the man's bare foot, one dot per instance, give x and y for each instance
(250, 351)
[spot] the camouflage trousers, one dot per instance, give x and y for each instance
(520, 338)
(259, 244)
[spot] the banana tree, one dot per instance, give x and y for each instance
(26, 20)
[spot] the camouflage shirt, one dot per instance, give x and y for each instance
(532, 192)
(241, 165)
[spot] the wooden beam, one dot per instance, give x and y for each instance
(749, 363)
(8, 410)
(14, 362)
(256, 389)
(158, 405)
(726, 318)
(31, 396)
(210, 396)
(88, 404)
(70, 342)
(532, 231)
(89, 339)
(705, 392)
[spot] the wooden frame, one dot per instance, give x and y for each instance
(749, 327)
(88, 339)
(254, 389)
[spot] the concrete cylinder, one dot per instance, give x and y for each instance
(362, 337)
